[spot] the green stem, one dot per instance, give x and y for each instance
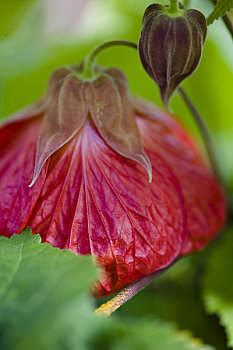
(89, 62)
(204, 133)
(228, 23)
(173, 6)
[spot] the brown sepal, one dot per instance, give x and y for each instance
(112, 112)
(65, 114)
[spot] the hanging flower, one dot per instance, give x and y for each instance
(74, 167)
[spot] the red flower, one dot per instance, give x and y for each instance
(91, 192)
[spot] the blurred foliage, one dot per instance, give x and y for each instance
(218, 284)
(176, 296)
(44, 305)
(144, 334)
(12, 12)
(28, 55)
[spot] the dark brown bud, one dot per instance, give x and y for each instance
(170, 45)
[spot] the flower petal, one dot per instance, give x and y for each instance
(112, 113)
(33, 111)
(64, 117)
(202, 194)
(95, 201)
(17, 154)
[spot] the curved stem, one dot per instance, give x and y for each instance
(204, 133)
(89, 62)
(129, 292)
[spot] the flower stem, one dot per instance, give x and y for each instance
(228, 23)
(89, 62)
(129, 292)
(173, 6)
(204, 133)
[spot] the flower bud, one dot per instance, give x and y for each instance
(170, 45)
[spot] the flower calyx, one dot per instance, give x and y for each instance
(170, 45)
(104, 98)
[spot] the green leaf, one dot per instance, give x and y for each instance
(146, 335)
(218, 284)
(220, 9)
(44, 305)
(43, 290)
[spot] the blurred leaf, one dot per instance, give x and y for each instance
(218, 284)
(11, 11)
(210, 88)
(146, 335)
(220, 9)
(175, 297)
(42, 290)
